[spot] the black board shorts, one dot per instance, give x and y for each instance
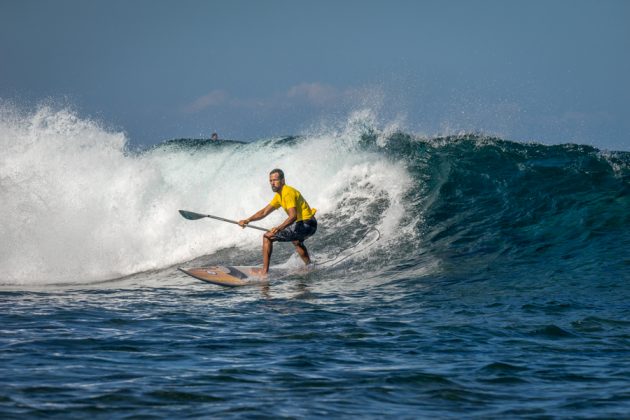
(298, 231)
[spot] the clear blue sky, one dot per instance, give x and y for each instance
(550, 71)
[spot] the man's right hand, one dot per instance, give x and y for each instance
(243, 223)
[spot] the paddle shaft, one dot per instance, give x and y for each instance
(235, 222)
(191, 215)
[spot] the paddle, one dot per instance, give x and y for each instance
(196, 216)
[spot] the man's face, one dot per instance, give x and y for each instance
(276, 182)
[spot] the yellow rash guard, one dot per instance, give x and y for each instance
(292, 198)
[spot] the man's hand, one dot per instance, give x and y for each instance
(243, 223)
(271, 234)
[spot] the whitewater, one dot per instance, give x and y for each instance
(497, 284)
(83, 208)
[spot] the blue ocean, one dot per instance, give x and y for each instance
(460, 276)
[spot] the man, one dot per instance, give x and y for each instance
(299, 225)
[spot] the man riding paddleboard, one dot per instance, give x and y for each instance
(299, 224)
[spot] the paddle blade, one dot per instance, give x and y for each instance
(190, 215)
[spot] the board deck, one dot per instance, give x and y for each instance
(232, 276)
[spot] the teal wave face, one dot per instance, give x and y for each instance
(488, 202)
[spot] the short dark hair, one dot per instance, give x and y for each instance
(277, 171)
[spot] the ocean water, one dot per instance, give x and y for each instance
(496, 284)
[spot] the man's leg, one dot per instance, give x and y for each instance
(266, 251)
(302, 252)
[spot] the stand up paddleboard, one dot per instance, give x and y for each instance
(233, 276)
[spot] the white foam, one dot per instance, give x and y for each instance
(77, 207)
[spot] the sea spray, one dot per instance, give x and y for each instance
(78, 206)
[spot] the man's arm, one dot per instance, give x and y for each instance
(260, 214)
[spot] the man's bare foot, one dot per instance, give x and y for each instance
(259, 272)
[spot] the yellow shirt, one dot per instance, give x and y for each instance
(292, 198)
